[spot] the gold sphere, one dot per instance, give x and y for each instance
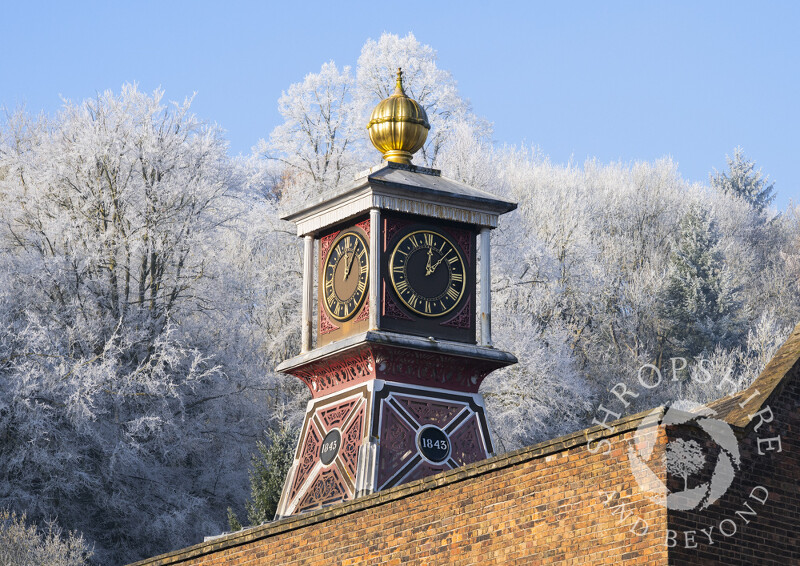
(398, 127)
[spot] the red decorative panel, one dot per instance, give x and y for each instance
(327, 488)
(324, 245)
(312, 484)
(390, 227)
(308, 459)
(464, 240)
(330, 375)
(364, 314)
(325, 323)
(464, 317)
(334, 416)
(390, 308)
(466, 445)
(430, 411)
(424, 469)
(432, 369)
(351, 442)
(364, 226)
(397, 444)
(404, 365)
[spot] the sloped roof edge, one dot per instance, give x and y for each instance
(736, 409)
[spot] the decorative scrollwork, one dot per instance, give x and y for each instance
(364, 226)
(464, 239)
(324, 245)
(390, 227)
(431, 369)
(335, 416)
(328, 375)
(463, 319)
(327, 488)
(390, 308)
(424, 469)
(307, 459)
(430, 411)
(397, 444)
(364, 314)
(325, 323)
(351, 443)
(466, 443)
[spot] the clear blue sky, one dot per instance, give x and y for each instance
(617, 80)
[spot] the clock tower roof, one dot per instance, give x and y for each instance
(401, 188)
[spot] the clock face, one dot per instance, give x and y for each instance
(427, 273)
(345, 276)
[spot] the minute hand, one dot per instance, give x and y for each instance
(349, 265)
(431, 269)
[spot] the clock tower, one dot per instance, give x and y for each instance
(403, 333)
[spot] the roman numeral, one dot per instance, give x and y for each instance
(428, 239)
(452, 293)
(427, 307)
(398, 269)
(412, 301)
(401, 286)
(452, 260)
(457, 276)
(364, 268)
(413, 240)
(362, 285)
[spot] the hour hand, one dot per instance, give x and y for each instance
(348, 266)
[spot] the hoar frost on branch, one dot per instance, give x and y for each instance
(317, 139)
(116, 402)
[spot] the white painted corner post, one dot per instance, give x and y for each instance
(374, 268)
(308, 293)
(486, 288)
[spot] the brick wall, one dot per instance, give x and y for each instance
(761, 533)
(550, 503)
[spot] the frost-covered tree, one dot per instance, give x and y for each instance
(22, 544)
(117, 402)
(744, 181)
(699, 303)
(316, 142)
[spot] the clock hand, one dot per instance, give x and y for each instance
(349, 265)
(428, 266)
(430, 270)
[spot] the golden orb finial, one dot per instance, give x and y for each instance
(398, 126)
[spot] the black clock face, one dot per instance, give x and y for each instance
(427, 273)
(345, 276)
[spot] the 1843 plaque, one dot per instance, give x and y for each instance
(433, 444)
